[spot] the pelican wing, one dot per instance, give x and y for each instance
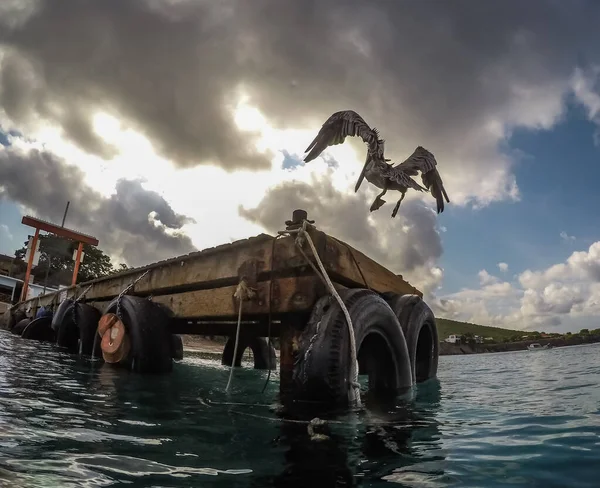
(335, 130)
(401, 177)
(421, 160)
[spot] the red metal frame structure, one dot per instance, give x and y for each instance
(38, 225)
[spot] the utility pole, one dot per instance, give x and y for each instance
(65, 215)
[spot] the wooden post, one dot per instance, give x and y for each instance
(29, 265)
(77, 261)
(290, 327)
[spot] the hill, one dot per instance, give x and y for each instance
(447, 327)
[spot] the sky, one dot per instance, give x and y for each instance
(175, 125)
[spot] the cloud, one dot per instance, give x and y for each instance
(585, 85)
(566, 237)
(6, 231)
(553, 297)
(152, 88)
(487, 279)
(168, 73)
(172, 71)
(409, 245)
(125, 223)
(503, 267)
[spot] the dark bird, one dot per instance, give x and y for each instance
(376, 169)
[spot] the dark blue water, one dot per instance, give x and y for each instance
(516, 419)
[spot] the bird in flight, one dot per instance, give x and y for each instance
(376, 169)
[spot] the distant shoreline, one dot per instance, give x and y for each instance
(449, 349)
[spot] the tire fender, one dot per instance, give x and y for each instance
(39, 329)
(75, 325)
(176, 347)
(20, 326)
(414, 315)
(13, 318)
(264, 356)
(322, 365)
(147, 325)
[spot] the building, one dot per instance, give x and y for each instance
(10, 289)
(453, 339)
(9, 265)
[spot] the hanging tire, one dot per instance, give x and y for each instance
(75, 325)
(418, 323)
(13, 318)
(20, 326)
(40, 330)
(176, 347)
(264, 356)
(147, 327)
(322, 366)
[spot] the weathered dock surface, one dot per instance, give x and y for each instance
(303, 286)
(199, 287)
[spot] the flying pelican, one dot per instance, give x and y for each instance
(376, 169)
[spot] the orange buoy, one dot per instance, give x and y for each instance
(106, 322)
(115, 343)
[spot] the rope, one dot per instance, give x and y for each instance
(303, 236)
(270, 320)
(80, 297)
(126, 289)
(242, 292)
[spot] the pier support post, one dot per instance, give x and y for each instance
(291, 327)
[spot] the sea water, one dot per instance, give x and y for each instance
(490, 420)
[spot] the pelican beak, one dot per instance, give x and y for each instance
(362, 175)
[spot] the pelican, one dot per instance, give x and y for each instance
(376, 169)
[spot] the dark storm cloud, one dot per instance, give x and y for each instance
(43, 183)
(455, 77)
(411, 245)
(423, 72)
(167, 73)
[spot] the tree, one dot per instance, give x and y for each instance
(120, 268)
(469, 338)
(584, 332)
(56, 259)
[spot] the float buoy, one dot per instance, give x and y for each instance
(115, 343)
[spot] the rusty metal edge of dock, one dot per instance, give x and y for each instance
(141, 269)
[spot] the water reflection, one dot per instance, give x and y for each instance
(381, 442)
(74, 422)
(69, 422)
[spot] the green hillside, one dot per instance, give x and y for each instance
(447, 327)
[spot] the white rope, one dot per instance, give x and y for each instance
(242, 292)
(354, 390)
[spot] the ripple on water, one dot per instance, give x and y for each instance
(514, 419)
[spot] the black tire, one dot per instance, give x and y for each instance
(20, 327)
(75, 325)
(13, 318)
(176, 347)
(61, 312)
(322, 365)
(418, 323)
(264, 356)
(147, 325)
(39, 329)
